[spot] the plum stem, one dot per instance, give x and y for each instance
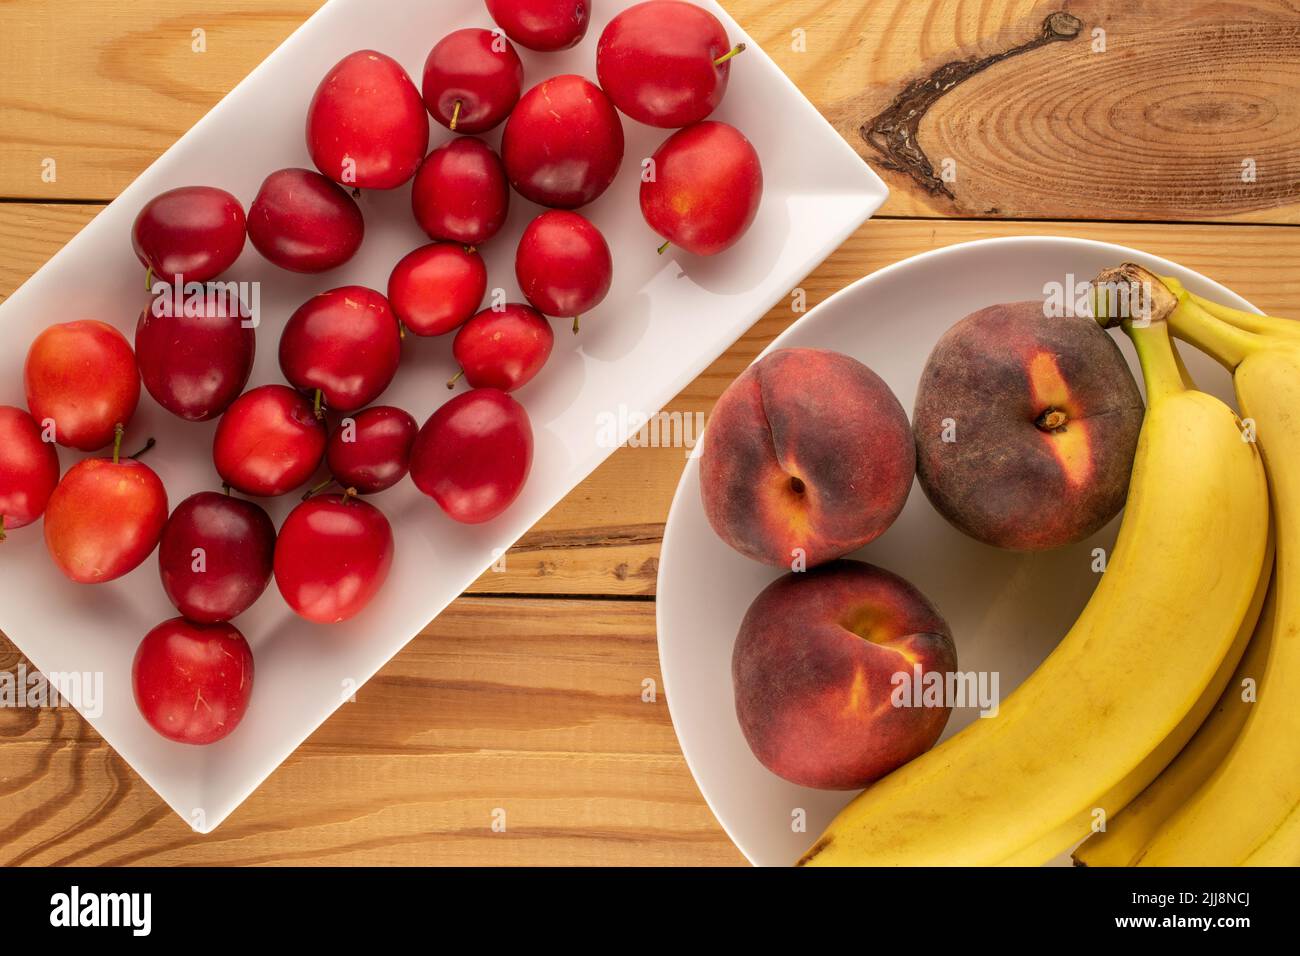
(455, 116)
(349, 495)
(148, 279)
(316, 405)
(401, 331)
(575, 324)
(118, 432)
(147, 445)
(733, 52)
(2, 528)
(664, 247)
(451, 383)
(225, 488)
(319, 488)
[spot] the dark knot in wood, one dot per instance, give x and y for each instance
(892, 134)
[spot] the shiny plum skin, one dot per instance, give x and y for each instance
(472, 80)
(707, 188)
(543, 25)
(366, 126)
(658, 63)
(104, 519)
(303, 222)
(193, 682)
(195, 365)
(436, 288)
(332, 557)
(461, 193)
(215, 556)
(345, 343)
(269, 442)
(563, 144)
(194, 233)
(371, 450)
(473, 455)
(29, 470)
(503, 349)
(563, 264)
(82, 376)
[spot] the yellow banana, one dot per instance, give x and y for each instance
(1109, 847)
(1248, 811)
(1023, 786)
(1139, 779)
(1128, 833)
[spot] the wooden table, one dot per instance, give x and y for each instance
(526, 694)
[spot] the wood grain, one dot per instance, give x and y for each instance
(548, 725)
(1157, 127)
(103, 88)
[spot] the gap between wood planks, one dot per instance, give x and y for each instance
(547, 596)
(1236, 223)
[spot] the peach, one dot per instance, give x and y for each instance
(807, 457)
(816, 667)
(1026, 427)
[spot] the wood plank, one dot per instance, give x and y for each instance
(1156, 127)
(530, 706)
(1148, 113)
(604, 537)
(104, 88)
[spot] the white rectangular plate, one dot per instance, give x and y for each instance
(665, 320)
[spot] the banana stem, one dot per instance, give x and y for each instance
(1246, 321)
(1249, 321)
(1130, 293)
(1130, 296)
(1189, 383)
(1155, 351)
(1172, 305)
(1224, 343)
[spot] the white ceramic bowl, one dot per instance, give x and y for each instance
(1007, 611)
(665, 320)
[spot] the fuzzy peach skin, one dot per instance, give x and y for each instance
(813, 670)
(1042, 417)
(808, 449)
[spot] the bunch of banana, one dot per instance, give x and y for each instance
(1233, 796)
(1127, 834)
(1127, 687)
